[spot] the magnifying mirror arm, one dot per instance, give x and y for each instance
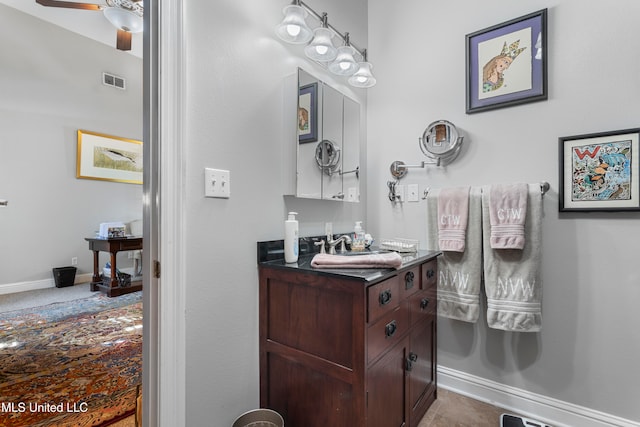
(399, 168)
(356, 171)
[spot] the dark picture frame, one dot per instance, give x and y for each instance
(308, 113)
(599, 172)
(506, 64)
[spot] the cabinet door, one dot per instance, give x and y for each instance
(385, 389)
(421, 367)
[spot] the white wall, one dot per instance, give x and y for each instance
(587, 351)
(51, 86)
(235, 71)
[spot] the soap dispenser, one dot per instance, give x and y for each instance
(291, 238)
(358, 243)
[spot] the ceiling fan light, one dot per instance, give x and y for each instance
(124, 19)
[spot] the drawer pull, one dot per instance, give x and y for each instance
(390, 329)
(385, 297)
(424, 302)
(430, 273)
(408, 280)
(409, 361)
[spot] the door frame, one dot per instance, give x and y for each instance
(164, 353)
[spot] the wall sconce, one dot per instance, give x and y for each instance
(347, 60)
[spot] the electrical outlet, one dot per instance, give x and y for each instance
(74, 260)
(413, 193)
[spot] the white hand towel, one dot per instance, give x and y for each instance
(453, 214)
(508, 211)
(459, 273)
(513, 280)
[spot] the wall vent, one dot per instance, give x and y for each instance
(114, 81)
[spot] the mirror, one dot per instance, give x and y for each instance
(328, 142)
(441, 141)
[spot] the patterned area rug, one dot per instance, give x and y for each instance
(76, 363)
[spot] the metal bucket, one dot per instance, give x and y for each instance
(259, 418)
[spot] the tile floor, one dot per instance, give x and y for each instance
(454, 410)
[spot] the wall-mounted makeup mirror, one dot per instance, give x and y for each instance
(327, 140)
(441, 141)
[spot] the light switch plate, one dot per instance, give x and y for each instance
(217, 183)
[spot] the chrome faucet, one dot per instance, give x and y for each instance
(333, 243)
(321, 244)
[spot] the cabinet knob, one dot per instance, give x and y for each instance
(408, 280)
(410, 360)
(390, 329)
(424, 302)
(385, 297)
(430, 273)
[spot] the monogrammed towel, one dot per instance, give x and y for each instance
(508, 213)
(459, 273)
(512, 277)
(453, 214)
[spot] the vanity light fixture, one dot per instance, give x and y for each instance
(321, 47)
(344, 64)
(347, 60)
(363, 76)
(294, 28)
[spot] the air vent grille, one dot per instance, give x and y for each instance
(113, 81)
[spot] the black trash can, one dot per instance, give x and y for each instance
(64, 276)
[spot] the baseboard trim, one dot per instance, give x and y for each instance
(554, 412)
(11, 288)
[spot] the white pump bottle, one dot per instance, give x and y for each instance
(291, 239)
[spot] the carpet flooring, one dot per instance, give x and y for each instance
(75, 363)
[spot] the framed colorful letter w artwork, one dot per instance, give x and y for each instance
(506, 64)
(599, 172)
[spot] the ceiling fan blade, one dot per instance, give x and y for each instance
(69, 4)
(124, 40)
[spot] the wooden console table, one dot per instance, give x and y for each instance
(113, 246)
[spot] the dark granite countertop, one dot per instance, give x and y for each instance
(369, 275)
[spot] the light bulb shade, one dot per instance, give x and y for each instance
(124, 19)
(321, 48)
(344, 64)
(293, 28)
(363, 77)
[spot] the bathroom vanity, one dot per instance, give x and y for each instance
(348, 347)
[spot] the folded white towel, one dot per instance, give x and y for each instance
(385, 260)
(453, 214)
(508, 213)
(513, 281)
(459, 273)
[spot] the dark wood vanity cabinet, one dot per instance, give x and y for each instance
(343, 351)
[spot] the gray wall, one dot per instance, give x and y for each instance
(51, 86)
(235, 71)
(586, 353)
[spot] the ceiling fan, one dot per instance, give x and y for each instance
(125, 15)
